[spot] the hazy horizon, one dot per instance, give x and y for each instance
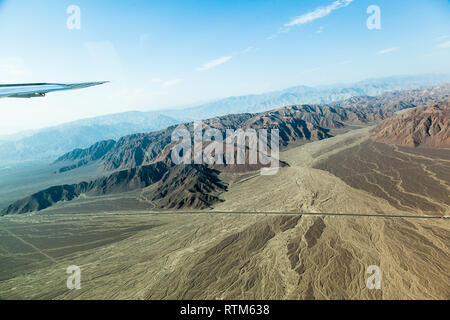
(30, 131)
(184, 53)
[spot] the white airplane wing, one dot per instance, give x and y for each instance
(31, 90)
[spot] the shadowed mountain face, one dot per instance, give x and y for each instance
(117, 182)
(146, 148)
(296, 124)
(93, 153)
(187, 186)
(422, 126)
(46, 198)
(184, 186)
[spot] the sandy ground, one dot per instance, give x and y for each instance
(126, 255)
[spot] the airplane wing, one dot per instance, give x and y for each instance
(31, 90)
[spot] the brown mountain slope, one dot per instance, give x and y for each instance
(80, 157)
(94, 152)
(176, 187)
(422, 126)
(187, 186)
(117, 182)
(296, 123)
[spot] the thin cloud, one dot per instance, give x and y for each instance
(310, 70)
(215, 63)
(104, 58)
(247, 50)
(143, 39)
(14, 69)
(173, 82)
(156, 80)
(444, 44)
(389, 50)
(441, 38)
(320, 30)
(318, 13)
(282, 30)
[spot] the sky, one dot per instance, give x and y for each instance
(165, 54)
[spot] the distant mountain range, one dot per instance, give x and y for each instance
(309, 95)
(47, 144)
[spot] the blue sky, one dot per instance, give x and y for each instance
(161, 54)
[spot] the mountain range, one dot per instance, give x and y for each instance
(142, 161)
(49, 143)
(364, 182)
